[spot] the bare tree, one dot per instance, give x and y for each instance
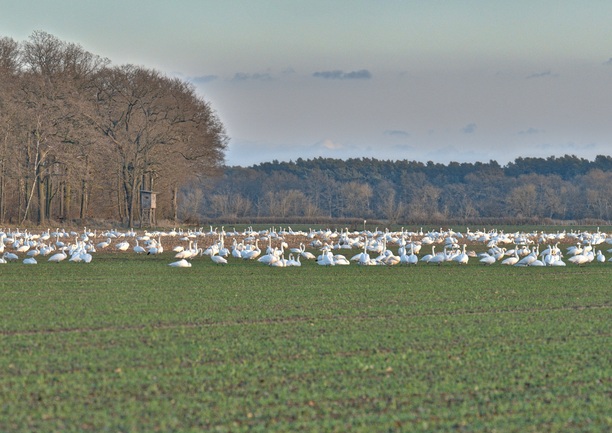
(158, 129)
(523, 200)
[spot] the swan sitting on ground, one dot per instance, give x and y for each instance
(58, 257)
(218, 260)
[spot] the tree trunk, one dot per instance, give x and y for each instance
(2, 197)
(84, 199)
(48, 197)
(174, 202)
(67, 211)
(40, 191)
(129, 187)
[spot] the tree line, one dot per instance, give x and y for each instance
(80, 137)
(527, 189)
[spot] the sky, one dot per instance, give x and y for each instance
(423, 80)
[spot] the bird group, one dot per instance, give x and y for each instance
(285, 247)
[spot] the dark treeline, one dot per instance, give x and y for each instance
(527, 189)
(80, 137)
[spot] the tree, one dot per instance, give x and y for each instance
(390, 206)
(523, 200)
(155, 127)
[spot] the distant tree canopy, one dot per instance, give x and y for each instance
(79, 137)
(554, 188)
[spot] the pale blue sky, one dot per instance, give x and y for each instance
(469, 80)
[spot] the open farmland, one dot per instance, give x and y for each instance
(126, 343)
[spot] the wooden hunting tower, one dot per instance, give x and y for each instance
(147, 208)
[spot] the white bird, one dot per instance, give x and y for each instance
(156, 248)
(293, 261)
(438, 258)
(30, 261)
(462, 258)
(58, 257)
(339, 259)
(123, 246)
(23, 248)
(487, 259)
(580, 259)
(427, 257)
(9, 257)
(600, 257)
(528, 259)
(34, 252)
(104, 244)
(252, 253)
(326, 259)
(138, 249)
(511, 261)
(180, 264)
(86, 257)
(306, 254)
(218, 260)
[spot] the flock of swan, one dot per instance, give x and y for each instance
(326, 247)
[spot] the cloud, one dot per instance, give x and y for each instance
(241, 76)
(203, 79)
(402, 148)
(608, 62)
(362, 74)
(530, 131)
(330, 145)
(569, 147)
(469, 129)
(396, 133)
(544, 74)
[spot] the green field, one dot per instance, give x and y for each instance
(127, 344)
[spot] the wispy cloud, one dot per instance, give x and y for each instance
(402, 148)
(396, 133)
(242, 76)
(544, 74)
(608, 62)
(362, 74)
(469, 129)
(570, 147)
(203, 79)
(330, 145)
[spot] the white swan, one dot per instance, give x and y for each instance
(180, 264)
(123, 246)
(427, 257)
(218, 260)
(139, 249)
(58, 257)
(462, 258)
(487, 259)
(9, 257)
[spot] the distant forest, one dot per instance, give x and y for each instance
(554, 189)
(80, 138)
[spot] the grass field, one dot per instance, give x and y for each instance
(134, 345)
